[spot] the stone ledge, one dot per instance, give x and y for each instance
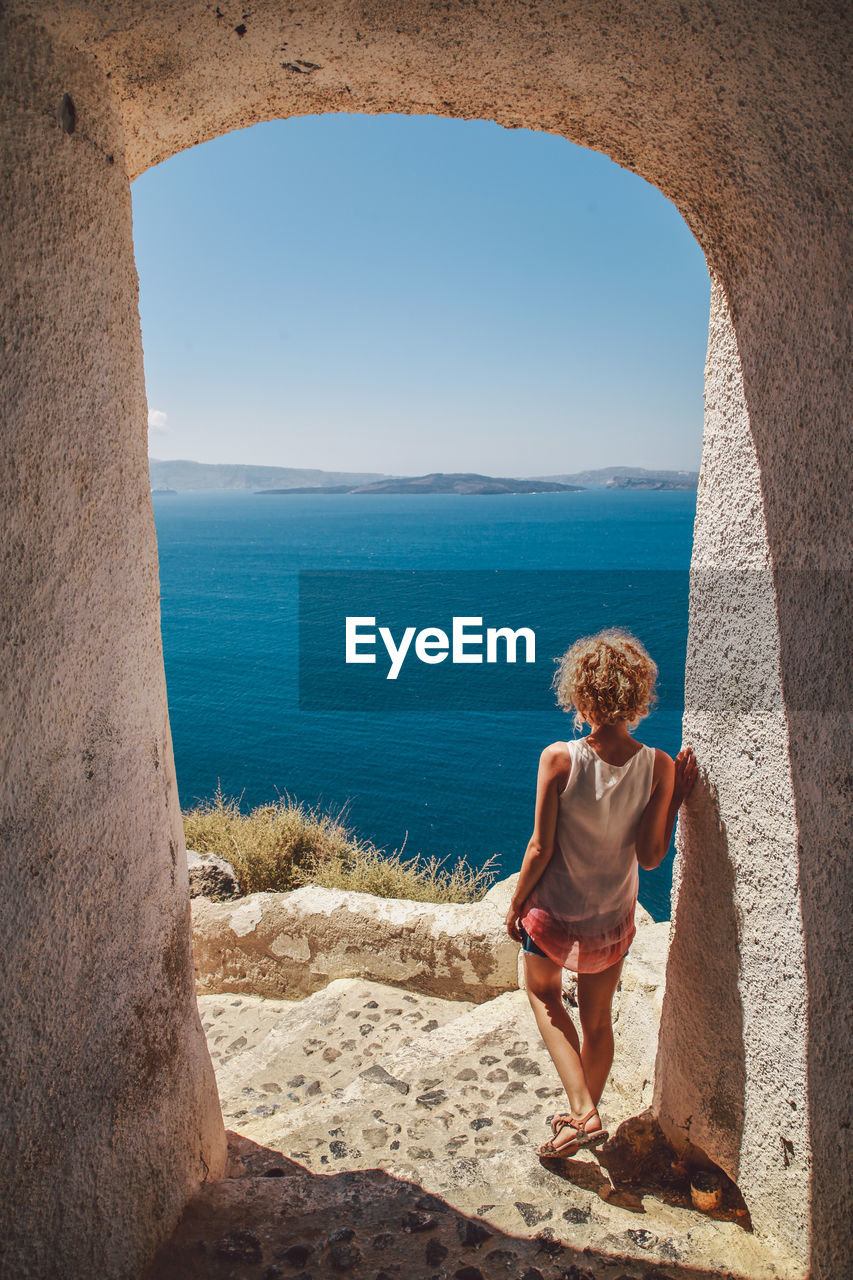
(291, 944)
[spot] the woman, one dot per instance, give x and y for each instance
(605, 805)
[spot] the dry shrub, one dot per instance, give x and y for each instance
(281, 846)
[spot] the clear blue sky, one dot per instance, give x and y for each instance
(406, 295)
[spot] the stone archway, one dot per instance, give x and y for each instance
(736, 114)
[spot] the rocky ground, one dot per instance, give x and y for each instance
(385, 1134)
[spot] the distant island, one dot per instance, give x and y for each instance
(183, 476)
(630, 478)
(648, 482)
(466, 482)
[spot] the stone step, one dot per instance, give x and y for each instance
(451, 1099)
(273, 1055)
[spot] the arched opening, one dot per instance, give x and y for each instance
(506, 303)
(698, 108)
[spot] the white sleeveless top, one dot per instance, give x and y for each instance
(581, 912)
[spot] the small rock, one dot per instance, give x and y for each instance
(380, 1076)
(466, 1074)
(240, 1245)
(211, 877)
(436, 1252)
(468, 1273)
(498, 1076)
(513, 1088)
(482, 1122)
(532, 1214)
(338, 1149)
(371, 1004)
(330, 1054)
(524, 1067)
(383, 1241)
(296, 1082)
(576, 1214)
(341, 1236)
(640, 1236)
(274, 1273)
(489, 1060)
(271, 1087)
(432, 1098)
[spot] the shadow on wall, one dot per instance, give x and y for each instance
(819, 700)
(272, 1212)
(700, 996)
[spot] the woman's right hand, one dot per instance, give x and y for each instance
(512, 924)
(686, 770)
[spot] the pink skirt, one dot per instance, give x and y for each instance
(581, 952)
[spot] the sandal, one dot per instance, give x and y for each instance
(582, 1137)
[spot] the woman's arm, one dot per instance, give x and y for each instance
(554, 767)
(671, 782)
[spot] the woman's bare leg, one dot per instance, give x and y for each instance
(544, 991)
(595, 999)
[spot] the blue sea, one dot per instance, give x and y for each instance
(434, 776)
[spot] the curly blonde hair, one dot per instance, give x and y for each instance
(606, 678)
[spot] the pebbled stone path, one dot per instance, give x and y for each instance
(387, 1135)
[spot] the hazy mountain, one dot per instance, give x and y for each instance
(452, 482)
(183, 475)
(629, 478)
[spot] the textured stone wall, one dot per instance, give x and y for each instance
(738, 114)
(110, 1111)
(736, 979)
